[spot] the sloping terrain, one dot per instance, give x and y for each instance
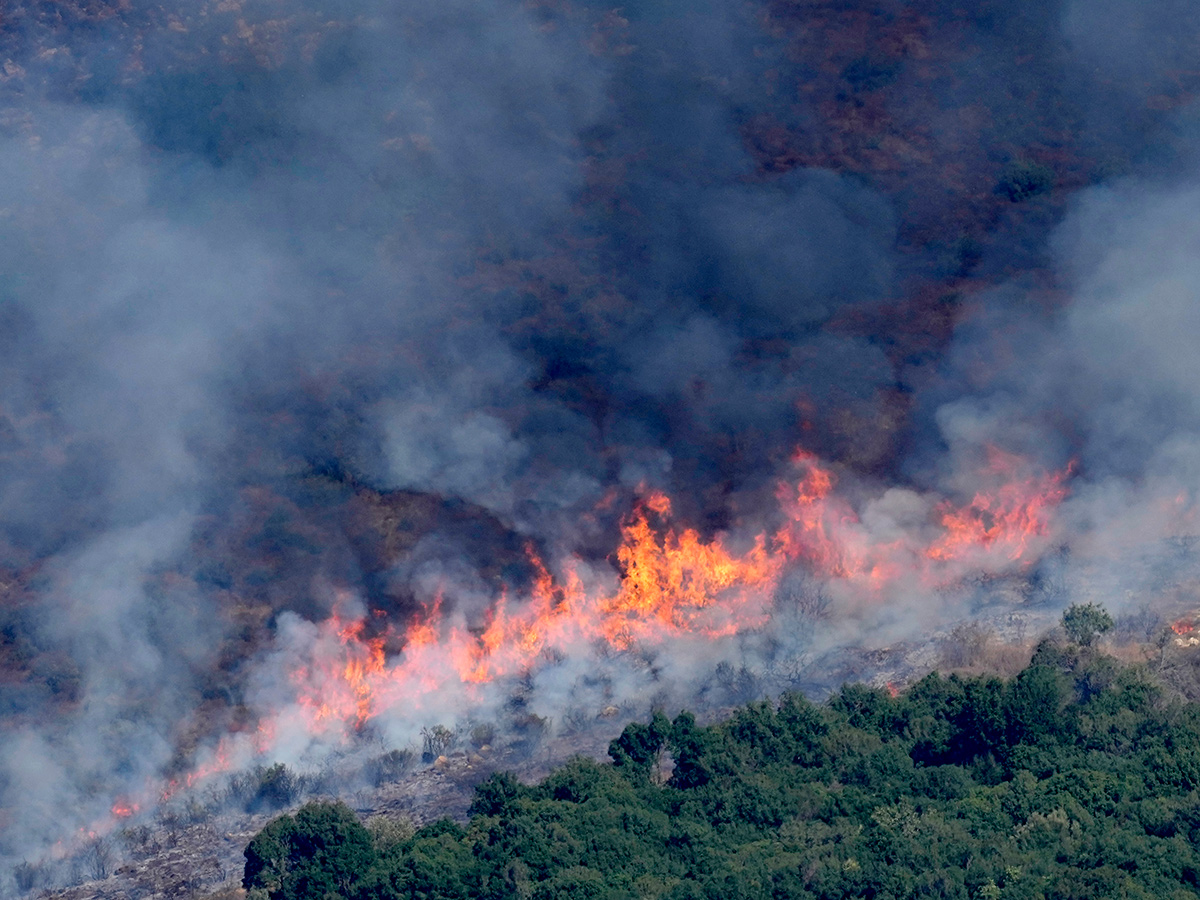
(370, 369)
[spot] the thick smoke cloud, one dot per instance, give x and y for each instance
(1105, 381)
(503, 266)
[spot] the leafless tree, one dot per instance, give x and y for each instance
(98, 858)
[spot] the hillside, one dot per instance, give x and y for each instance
(374, 373)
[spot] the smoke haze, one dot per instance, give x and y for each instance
(313, 313)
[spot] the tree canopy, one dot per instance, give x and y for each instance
(1076, 779)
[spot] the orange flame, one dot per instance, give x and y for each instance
(1005, 521)
(671, 582)
(1183, 627)
(674, 582)
(824, 531)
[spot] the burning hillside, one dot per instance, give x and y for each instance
(370, 369)
(670, 584)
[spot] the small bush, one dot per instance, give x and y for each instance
(966, 645)
(265, 789)
(390, 767)
(28, 876)
(436, 741)
(278, 787)
(98, 858)
(483, 735)
(1084, 622)
(388, 833)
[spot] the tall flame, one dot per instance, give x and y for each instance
(670, 582)
(674, 582)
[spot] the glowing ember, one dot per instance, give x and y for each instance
(1183, 627)
(123, 809)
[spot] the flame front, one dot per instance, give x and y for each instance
(669, 583)
(673, 582)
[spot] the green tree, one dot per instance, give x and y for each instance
(1084, 622)
(269, 856)
(496, 796)
(960, 788)
(1034, 705)
(637, 747)
(322, 851)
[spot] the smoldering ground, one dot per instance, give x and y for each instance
(496, 268)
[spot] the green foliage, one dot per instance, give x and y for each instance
(388, 833)
(1084, 622)
(278, 787)
(637, 747)
(1033, 705)
(1075, 779)
(321, 851)
(266, 788)
(496, 796)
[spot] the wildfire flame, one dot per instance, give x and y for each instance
(1006, 520)
(673, 582)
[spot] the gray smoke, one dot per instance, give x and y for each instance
(502, 266)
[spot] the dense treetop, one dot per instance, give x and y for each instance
(1076, 779)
